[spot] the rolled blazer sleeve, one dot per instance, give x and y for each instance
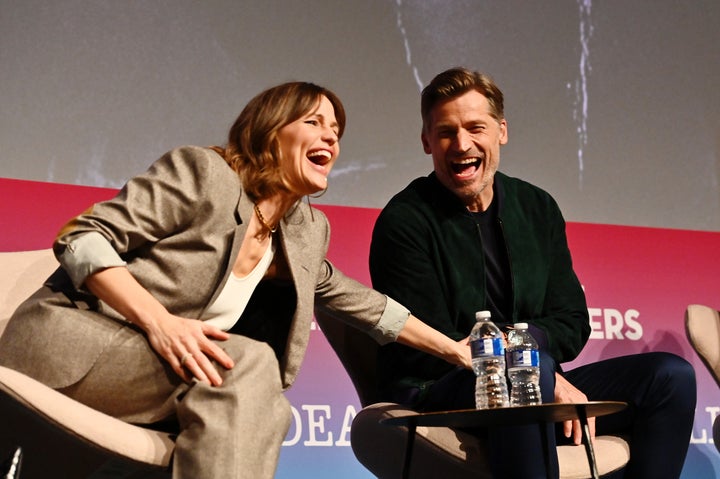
(166, 199)
(88, 254)
(378, 315)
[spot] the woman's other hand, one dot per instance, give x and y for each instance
(186, 344)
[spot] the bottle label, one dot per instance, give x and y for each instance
(524, 358)
(487, 347)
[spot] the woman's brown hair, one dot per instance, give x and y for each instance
(252, 149)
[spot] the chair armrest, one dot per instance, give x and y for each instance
(106, 432)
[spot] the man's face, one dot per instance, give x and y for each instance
(464, 141)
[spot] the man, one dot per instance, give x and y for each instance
(470, 238)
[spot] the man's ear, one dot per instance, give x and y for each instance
(503, 132)
(425, 143)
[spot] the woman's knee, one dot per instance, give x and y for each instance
(256, 366)
(246, 350)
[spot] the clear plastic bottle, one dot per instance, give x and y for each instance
(523, 367)
(488, 356)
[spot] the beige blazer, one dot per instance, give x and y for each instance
(178, 227)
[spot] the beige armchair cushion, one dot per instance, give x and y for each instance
(21, 273)
(437, 451)
(61, 437)
(702, 326)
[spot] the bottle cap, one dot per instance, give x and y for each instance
(482, 315)
(520, 325)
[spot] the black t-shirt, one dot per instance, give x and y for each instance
(497, 266)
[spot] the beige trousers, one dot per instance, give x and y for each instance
(227, 432)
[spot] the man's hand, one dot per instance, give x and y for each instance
(567, 393)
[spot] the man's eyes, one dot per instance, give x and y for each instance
(446, 132)
(452, 132)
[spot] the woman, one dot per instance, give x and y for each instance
(190, 295)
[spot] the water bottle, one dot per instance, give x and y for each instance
(523, 367)
(488, 357)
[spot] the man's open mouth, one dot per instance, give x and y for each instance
(466, 166)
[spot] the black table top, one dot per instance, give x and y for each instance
(508, 416)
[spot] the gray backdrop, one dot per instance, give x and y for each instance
(613, 105)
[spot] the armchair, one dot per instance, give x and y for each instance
(60, 437)
(455, 454)
(702, 326)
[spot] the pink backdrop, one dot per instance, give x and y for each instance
(638, 283)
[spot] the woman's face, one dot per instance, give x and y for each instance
(309, 148)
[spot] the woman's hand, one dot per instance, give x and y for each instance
(184, 343)
(465, 354)
(567, 393)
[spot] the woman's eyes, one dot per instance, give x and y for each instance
(319, 123)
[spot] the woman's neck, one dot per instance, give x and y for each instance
(273, 209)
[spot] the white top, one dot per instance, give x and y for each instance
(235, 295)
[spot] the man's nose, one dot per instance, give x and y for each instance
(463, 141)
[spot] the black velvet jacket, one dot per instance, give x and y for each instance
(426, 253)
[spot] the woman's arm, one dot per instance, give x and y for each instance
(419, 335)
(156, 205)
(173, 337)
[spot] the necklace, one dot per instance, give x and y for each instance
(262, 219)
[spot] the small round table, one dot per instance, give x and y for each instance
(508, 416)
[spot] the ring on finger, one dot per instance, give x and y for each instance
(184, 358)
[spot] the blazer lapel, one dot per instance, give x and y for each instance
(302, 261)
(243, 211)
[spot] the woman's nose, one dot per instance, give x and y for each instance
(330, 135)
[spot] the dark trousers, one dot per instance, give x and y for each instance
(660, 391)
